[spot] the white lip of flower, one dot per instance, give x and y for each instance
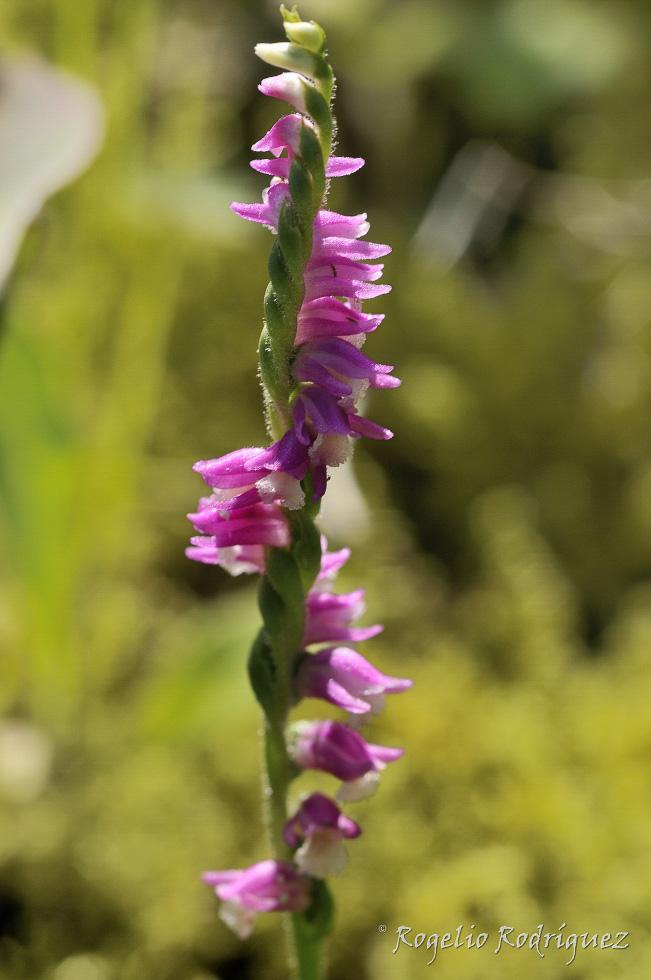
(282, 485)
(359, 789)
(322, 854)
(221, 496)
(374, 697)
(359, 388)
(238, 918)
(294, 743)
(358, 610)
(357, 340)
(332, 449)
(229, 559)
(270, 488)
(376, 704)
(324, 583)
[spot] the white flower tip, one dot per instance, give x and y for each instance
(238, 918)
(359, 789)
(359, 387)
(332, 449)
(376, 702)
(263, 50)
(293, 57)
(357, 340)
(281, 487)
(322, 855)
(230, 560)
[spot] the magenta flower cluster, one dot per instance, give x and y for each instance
(245, 513)
(250, 487)
(337, 673)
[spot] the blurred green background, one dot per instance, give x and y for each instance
(504, 536)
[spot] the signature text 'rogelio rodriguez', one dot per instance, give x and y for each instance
(507, 938)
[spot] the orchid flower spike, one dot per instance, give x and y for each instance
(259, 516)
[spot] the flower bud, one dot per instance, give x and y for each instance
(319, 827)
(269, 886)
(337, 749)
(306, 33)
(343, 677)
(290, 56)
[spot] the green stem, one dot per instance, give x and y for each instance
(309, 958)
(277, 784)
(284, 589)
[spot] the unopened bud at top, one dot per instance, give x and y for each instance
(306, 33)
(292, 57)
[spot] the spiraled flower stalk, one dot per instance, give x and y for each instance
(261, 514)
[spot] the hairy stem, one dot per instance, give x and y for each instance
(277, 784)
(282, 600)
(309, 951)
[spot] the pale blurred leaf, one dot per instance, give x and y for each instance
(51, 126)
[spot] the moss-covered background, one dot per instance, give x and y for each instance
(504, 536)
